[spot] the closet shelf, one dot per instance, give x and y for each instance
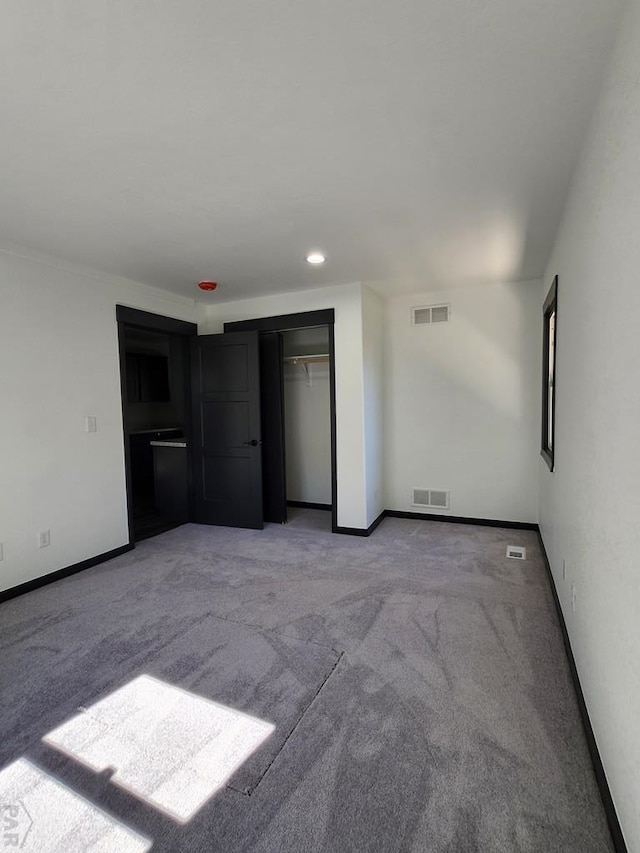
(307, 359)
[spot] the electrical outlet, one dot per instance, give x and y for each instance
(44, 538)
(90, 424)
(564, 570)
(573, 597)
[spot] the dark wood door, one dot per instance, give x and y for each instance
(227, 447)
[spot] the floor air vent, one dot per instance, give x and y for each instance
(428, 314)
(514, 552)
(434, 498)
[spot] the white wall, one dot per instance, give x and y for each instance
(590, 505)
(374, 394)
(462, 401)
(59, 357)
(350, 440)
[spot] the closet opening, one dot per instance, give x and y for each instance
(297, 399)
(307, 417)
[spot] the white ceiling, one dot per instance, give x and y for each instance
(426, 141)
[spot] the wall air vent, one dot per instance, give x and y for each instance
(433, 498)
(429, 314)
(515, 552)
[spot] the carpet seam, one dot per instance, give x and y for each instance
(250, 792)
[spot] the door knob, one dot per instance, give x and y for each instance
(253, 443)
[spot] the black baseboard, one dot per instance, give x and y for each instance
(460, 519)
(361, 531)
(351, 531)
(432, 516)
(598, 768)
(6, 594)
(308, 505)
(374, 524)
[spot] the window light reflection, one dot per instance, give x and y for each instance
(41, 815)
(167, 746)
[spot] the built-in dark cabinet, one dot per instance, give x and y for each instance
(147, 378)
(171, 482)
(141, 460)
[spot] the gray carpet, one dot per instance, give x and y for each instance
(417, 681)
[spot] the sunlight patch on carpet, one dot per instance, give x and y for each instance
(40, 814)
(167, 746)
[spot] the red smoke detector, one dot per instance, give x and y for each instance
(207, 285)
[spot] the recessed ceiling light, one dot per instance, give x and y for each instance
(315, 258)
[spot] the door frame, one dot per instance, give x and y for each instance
(133, 317)
(305, 320)
(271, 354)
